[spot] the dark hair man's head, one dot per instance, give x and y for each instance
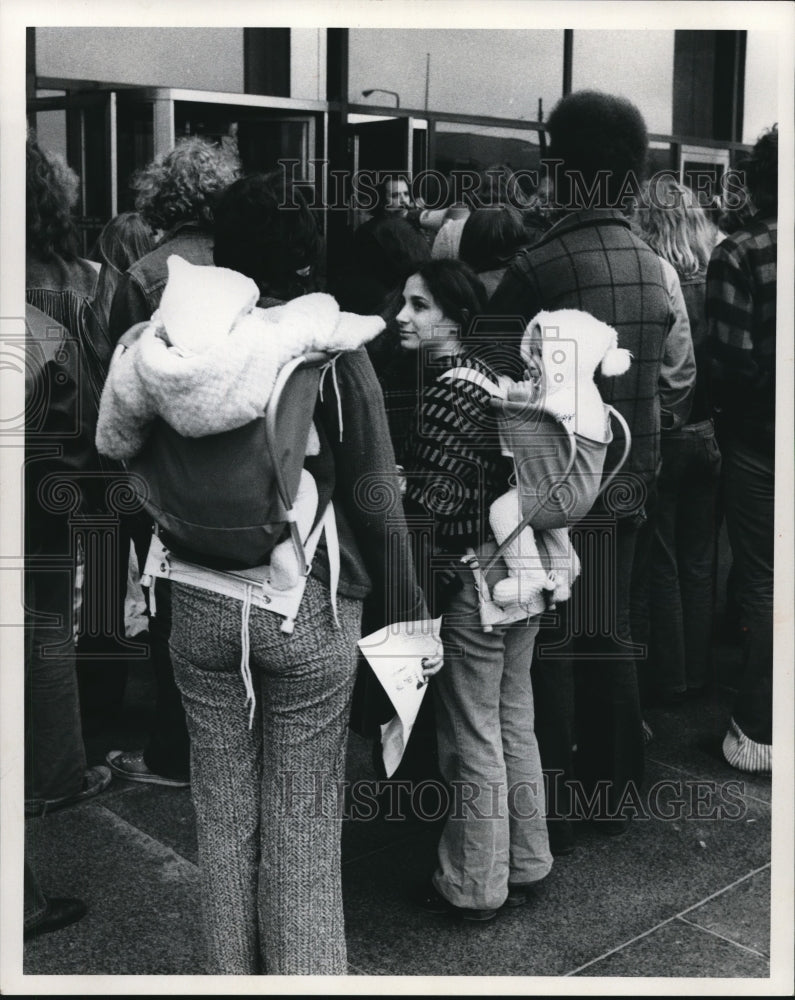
(264, 229)
(761, 172)
(393, 197)
(603, 143)
(491, 236)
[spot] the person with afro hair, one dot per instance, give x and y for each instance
(598, 148)
(592, 261)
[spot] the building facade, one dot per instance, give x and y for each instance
(335, 101)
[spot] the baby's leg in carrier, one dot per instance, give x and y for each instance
(284, 559)
(557, 553)
(526, 574)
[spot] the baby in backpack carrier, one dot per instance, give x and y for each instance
(207, 363)
(562, 350)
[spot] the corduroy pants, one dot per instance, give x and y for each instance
(267, 798)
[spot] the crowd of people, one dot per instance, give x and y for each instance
(626, 596)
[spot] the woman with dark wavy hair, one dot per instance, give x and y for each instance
(60, 285)
(51, 189)
(496, 854)
(57, 280)
(123, 241)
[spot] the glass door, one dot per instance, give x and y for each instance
(80, 126)
(702, 169)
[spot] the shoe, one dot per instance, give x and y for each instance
(744, 753)
(60, 913)
(95, 780)
(433, 902)
(520, 894)
(611, 827)
(561, 837)
(130, 764)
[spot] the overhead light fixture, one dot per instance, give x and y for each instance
(380, 90)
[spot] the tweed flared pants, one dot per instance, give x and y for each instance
(267, 798)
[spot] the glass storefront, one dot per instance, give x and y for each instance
(106, 135)
(107, 132)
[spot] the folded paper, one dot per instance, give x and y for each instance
(395, 654)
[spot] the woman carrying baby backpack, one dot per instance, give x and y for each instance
(267, 709)
(493, 849)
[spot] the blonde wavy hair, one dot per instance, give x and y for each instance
(182, 185)
(674, 225)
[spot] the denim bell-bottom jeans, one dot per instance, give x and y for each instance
(267, 798)
(682, 564)
(495, 832)
(749, 496)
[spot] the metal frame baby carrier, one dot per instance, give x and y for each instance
(553, 457)
(222, 502)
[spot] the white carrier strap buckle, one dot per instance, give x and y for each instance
(161, 562)
(251, 587)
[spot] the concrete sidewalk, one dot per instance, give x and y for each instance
(679, 897)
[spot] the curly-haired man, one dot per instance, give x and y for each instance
(175, 194)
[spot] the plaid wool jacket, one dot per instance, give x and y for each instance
(741, 317)
(592, 261)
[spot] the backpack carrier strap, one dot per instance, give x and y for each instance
(477, 378)
(250, 587)
(499, 393)
(491, 614)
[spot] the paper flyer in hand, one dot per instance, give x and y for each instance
(395, 653)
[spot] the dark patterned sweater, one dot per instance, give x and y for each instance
(454, 467)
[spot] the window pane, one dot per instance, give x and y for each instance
(51, 131)
(638, 65)
(135, 145)
(475, 148)
(661, 158)
(200, 58)
(761, 83)
(477, 72)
